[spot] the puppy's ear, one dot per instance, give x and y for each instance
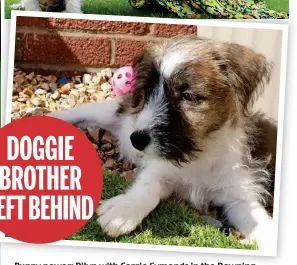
(246, 71)
(142, 61)
(146, 76)
(140, 64)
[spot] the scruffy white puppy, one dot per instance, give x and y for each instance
(68, 6)
(189, 127)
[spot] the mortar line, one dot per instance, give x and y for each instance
(42, 31)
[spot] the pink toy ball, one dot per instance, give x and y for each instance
(123, 80)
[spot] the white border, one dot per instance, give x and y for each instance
(211, 23)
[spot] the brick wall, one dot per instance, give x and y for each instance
(85, 45)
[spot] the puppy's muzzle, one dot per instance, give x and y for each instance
(140, 140)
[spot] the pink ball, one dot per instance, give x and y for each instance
(123, 80)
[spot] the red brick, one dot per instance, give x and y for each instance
(102, 26)
(53, 49)
(35, 22)
(169, 30)
(126, 50)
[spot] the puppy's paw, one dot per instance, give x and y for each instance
(262, 235)
(247, 241)
(56, 114)
(119, 215)
(16, 6)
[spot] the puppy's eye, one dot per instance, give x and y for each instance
(191, 97)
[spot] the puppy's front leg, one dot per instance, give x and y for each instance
(251, 218)
(102, 114)
(123, 213)
(19, 5)
(31, 5)
(73, 6)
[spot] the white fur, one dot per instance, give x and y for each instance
(72, 6)
(153, 111)
(172, 60)
(18, 6)
(216, 176)
(30, 5)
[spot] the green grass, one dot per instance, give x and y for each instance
(122, 7)
(169, 224)
(110, 7)
(278, 5)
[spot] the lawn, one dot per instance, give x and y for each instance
(122, 7)
(170, 224)
(109, 7)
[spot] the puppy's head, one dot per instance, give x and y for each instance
(186, 89)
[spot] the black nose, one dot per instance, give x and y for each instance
(140, 140)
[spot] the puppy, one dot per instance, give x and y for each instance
(68, 6)
(188, 125)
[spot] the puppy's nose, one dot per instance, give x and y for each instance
(140, 140)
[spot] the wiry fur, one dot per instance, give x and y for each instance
(68, 6)
(192, 99)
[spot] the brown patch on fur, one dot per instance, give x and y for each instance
(247, 72)
(44, 4)
(222, 67)
(241, 68)
(264, 142)
(210, 113)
